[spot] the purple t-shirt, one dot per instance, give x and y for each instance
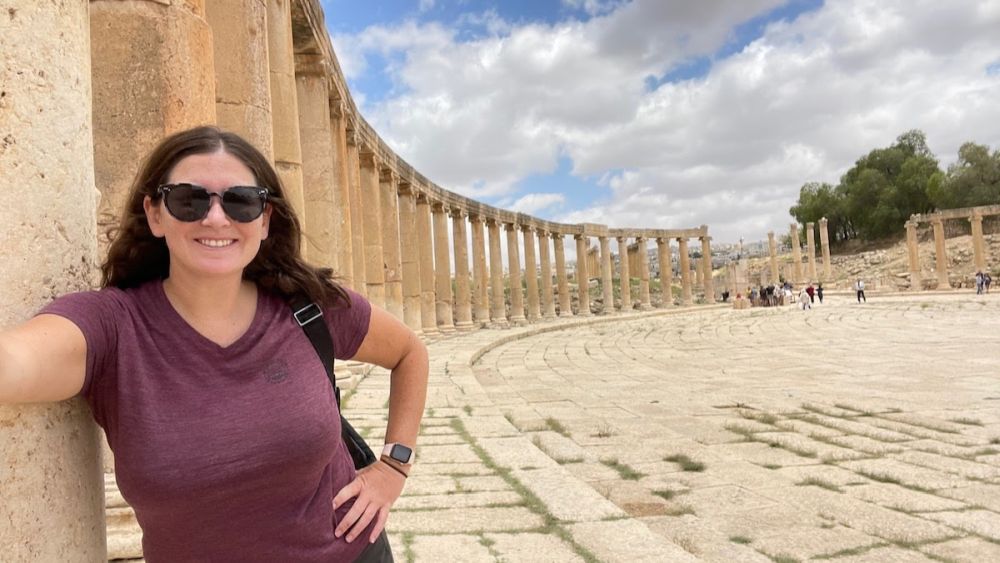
(225, 453)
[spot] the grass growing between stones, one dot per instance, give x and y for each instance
(666, 494)
(966, 421)
(892, 480)
(759, 416)
(816, 482)
(603, 431)
(742, 540)
(556, 426)
(686, 463)
(531, 501)
(624, 471)
(849, 552)
(679, 510)
(408, 552)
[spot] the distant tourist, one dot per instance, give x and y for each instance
(859, 286)
(805, 299)
(811, 291)
(987, 280)
(819, 293)
(980, 283)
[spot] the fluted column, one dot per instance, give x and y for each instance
(357, 217)
(562, 280)
(666, 272)
(796, 254)
(582, 276)
(410, 256)
(391, 249)
(442, 270)
(913, 253)
(606, 276)
(706, 265)
(548, 303)
(941, 255)
(371, 215)
(319, 220)
(428, 307)
(530, 273)
(644, 301)
(811, 250)
(51, 487)
(463, 296)
(343, 245)
(978, 244)
(242, 77)
(498, 313)
(624, 274)
(685, 266)
(824, 242)
(773, 249)
(514, 266)
(480, 293)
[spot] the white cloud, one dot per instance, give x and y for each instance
(426, 5)
(535, 203)
(731, 149)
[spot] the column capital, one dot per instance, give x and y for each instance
(527, 227)
(622, 239)
(511, 226)
(407, 189)
(438, 207)
(810, 225)
(312, 64)
(580, 236)
(476, 218)
(387, 174)
(424, 197)
(338, 108)
(554, 235)
(976, 216)
(368, 158)
(822, 221)
(705, 238)
(457, 212)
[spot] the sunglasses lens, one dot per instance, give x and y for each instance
(186, 202)
(242, 204)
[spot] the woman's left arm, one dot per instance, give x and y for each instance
(390, 344)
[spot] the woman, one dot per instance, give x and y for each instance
(223, 422)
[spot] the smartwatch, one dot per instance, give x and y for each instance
(398, 452)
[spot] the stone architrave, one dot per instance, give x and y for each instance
(665, 261)
(913, 253)
(796, 254)
(562, 280)
(480, 276)
(371, 215)
(463, 295)
(530, 273)
(941, 255)
(706, 267)
(442, 270)
(824, 242)
(338, 133)
(428, 307)
(643, 266)
(51, 486)
(773, 250)
(811, 251)
(606, 276)
(319, 220)
(391, 248)
(582, 276)
(685, 265)
(287, 144)
(978, 244)
(410, 256)
(624, 274)
(498, 312)
(242, 80)
(548, 303)
(356, 205)
(514, 267)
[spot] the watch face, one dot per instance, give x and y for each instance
(401, 453)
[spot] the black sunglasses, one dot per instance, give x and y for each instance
(190, 202)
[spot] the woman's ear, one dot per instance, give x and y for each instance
(266, 223)
(153, 216)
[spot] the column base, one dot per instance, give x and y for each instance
(446, 328)
(429, 331)
(584, 313)
(645, 307)
(566, 313)
(465, 326)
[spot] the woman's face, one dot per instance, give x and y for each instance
(216, 245)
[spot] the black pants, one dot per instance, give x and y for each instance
(861, 295)
(378, 552)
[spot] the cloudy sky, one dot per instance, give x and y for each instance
(665, 113)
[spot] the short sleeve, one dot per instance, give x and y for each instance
(348, 325)
(94, 312)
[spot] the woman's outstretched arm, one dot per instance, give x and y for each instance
(42, 360)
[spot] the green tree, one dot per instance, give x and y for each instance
(971, 181)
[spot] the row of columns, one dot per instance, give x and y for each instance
(979, 256)
(810, 275)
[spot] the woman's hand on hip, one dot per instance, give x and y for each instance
(375, 489)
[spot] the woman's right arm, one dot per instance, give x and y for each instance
(42, 360)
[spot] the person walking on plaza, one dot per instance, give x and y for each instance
(812, 293)
(805, 299)
(859, 286)
(980, 283)
(819, 293)
(987, 280)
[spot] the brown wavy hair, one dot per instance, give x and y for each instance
(135, 256)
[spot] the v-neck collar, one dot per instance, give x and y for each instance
(246, 339)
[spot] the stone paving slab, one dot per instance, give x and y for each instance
(902, 499)
(808, 542)
(983, 522)
(451, 548)
(965, 550)
(466, 520)
(460, 500)
(567, 498)
(528, 547)
(627, 540)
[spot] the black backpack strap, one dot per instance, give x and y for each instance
(309, 316)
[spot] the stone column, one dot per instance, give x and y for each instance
(371, 216)
(428, 308)
(138, 84)
(811, 251)
(514, 265)
(940, 254)
(391, 249)
(530, 273)
(480, 294)
(624, 274)
(824, 242)
(410, 256)
(548, 303)
(51, 485)
(643, 254)
(913, 253)
(773, 248)
(565, 303)
(498, 312)
(284, 103)
(582, 277)
(685, 265)
(463, 298)
(699, 274)
(706, 266)
(442, 270)
(319, 219)
(357, 218)
(796, 254)
(242, 77)
(606, 276)
(666, 272)
(978, 244)
(343, 245)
